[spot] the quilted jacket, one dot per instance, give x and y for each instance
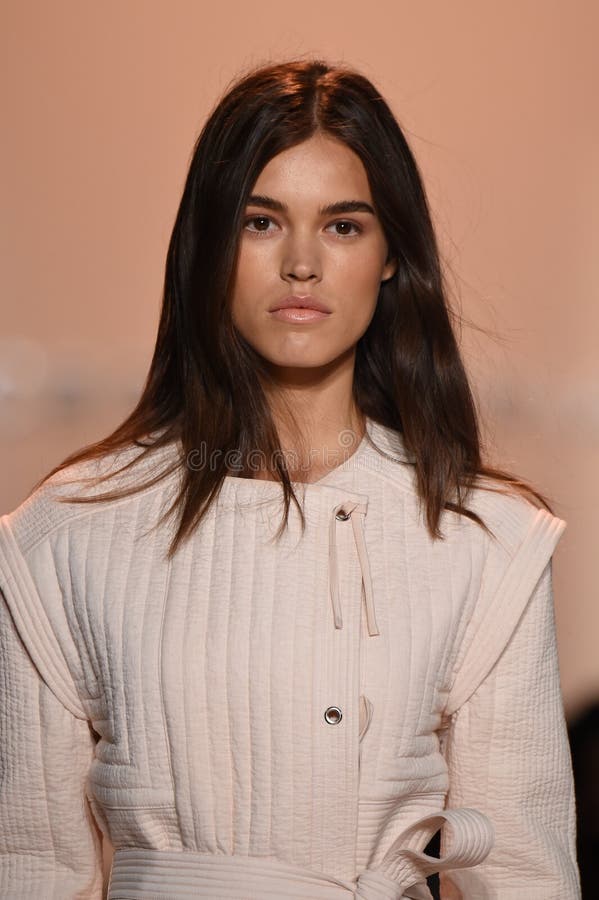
(281, 719)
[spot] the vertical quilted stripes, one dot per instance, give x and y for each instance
(207, 678)
(48, 846)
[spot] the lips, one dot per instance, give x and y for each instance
(296, 315)
(303, 301)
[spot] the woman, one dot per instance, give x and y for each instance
(252, 711)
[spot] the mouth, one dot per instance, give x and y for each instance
(299, 308)
(299, 314)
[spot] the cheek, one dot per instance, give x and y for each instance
(256, 270)
(358, 268)
(364, 295)
(247, 273)
(248, 286)
(357, 323)
(361, 283)
(369, 270)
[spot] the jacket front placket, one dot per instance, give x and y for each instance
(343, 713)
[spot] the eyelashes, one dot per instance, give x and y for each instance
(345, 222)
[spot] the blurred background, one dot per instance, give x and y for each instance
(102, 104)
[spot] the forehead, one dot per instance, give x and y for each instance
(320, 167)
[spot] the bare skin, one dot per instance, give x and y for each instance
(340, 259)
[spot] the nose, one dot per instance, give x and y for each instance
(301, 260)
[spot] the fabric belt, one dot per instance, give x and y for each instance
(145, 874)
(173, 875)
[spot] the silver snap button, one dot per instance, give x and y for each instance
(342, 516)
(333, 715)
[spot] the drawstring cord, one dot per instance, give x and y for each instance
(342, 512)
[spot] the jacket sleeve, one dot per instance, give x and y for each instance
(508, 756)
(49, 844)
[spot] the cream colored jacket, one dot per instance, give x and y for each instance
(282, 720)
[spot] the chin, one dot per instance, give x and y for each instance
(302, 363)
(306, 360)
(306, 352)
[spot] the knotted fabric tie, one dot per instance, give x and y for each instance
(404, 868)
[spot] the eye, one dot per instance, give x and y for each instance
(260, 221)
(254, 219)
(345, 224)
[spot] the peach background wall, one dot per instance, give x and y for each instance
(102, 103)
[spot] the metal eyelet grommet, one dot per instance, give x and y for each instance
(342, 515)
(333, 715)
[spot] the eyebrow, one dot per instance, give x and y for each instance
(331, 209)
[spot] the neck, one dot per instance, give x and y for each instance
(317, 420)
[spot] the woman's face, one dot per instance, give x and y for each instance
(290, 245)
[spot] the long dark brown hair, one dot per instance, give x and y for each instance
(205, 386)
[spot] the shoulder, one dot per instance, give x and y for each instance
(517, 559)
(513, 518)
(506, 557)
(510, 515)
(73, 492)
